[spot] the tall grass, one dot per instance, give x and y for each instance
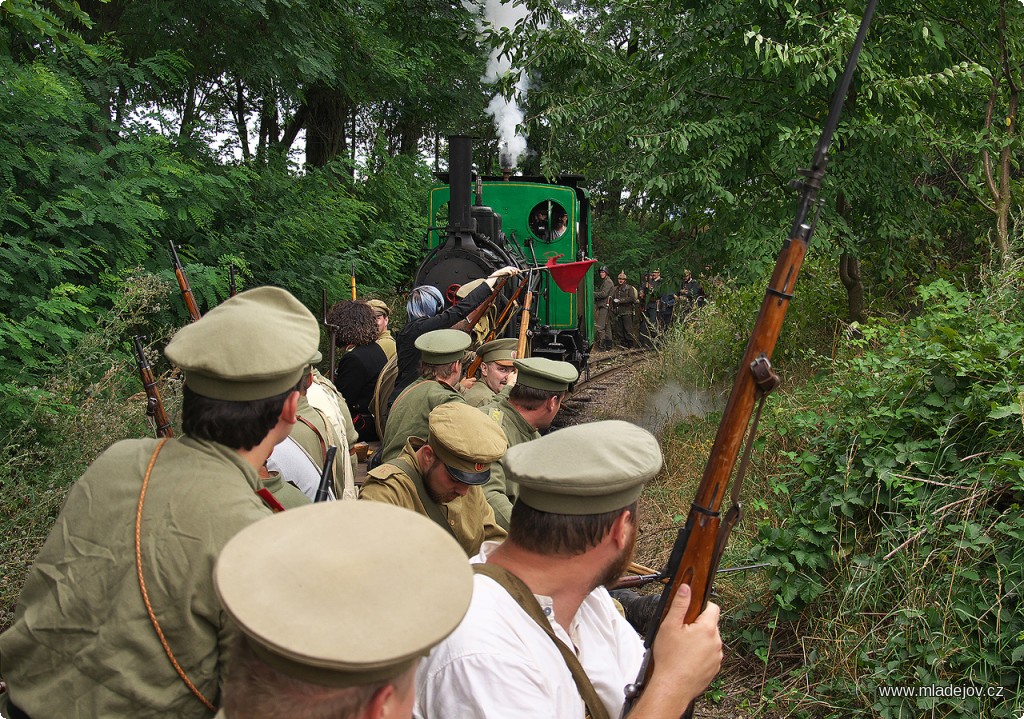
(74, 416)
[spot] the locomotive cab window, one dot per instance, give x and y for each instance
(548, 221)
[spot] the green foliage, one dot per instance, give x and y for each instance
(901, 480)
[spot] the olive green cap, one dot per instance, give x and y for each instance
(585, 469)
(466, 440)
(251, 346)
(442, 346)
(502, 351)
(544, 373)
(379, 306)
(335, 617)
(465, 289)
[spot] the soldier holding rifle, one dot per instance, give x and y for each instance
(540, 605)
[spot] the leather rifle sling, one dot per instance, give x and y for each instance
(525, 599)
(145, 593)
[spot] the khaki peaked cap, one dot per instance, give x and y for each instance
(585, 469)
(442, 346)
(251, 346)
(379, 306)
(502, 351)
(298, 604)
(546, 374)
(466, 440)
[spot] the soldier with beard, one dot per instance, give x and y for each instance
(542, 636)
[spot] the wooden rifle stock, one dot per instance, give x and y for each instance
(502, 319)
(186, 289)
(154, 405)
(524, 325)
(326, 476)
(700, 543)
(480, 311)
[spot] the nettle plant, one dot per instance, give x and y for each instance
(901, 544)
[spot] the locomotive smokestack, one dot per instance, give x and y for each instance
(460, 181)
(508, 165)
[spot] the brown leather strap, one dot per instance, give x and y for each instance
(142, 583)
(525, 599)
(320, 437)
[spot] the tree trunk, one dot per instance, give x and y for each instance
(326, 124)
(999, 183)
(849, 275)
(241, 124)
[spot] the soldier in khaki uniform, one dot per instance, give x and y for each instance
(326, 398)
(83, 643)
(624, 304)
(603, 298)
(496, 369)
(441, 477)
(382, 313)
(441, 353)
(531, 406)
(321, 666)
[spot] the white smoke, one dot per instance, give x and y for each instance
(506, 112)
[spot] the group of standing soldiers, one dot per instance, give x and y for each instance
(619, 308)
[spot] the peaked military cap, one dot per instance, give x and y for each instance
(502, 351)
(442, 346)
(251, 346)
(296, 604)
(546, 374)
(379, 306)
(585, 469)
(466, 440)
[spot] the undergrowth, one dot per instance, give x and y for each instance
(885, 494)
(71, 417)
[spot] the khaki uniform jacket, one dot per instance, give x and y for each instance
(387, 343)
(325, 397)
(286, 493)
(82, 644)
(626, 296)
(480, 394)
(469, 519)
(500, 491)
(410, 414)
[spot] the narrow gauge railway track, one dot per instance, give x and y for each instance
(600, 370)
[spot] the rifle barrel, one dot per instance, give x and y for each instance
(186, 289)
(700, 542)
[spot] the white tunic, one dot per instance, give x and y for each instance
(500, 663)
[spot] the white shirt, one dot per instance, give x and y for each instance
(499, 663)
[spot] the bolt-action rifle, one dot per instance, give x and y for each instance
(186, 290)
(503, 318)
(154, 405)
(700, 543)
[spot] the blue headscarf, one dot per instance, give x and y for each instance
(424, 301)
